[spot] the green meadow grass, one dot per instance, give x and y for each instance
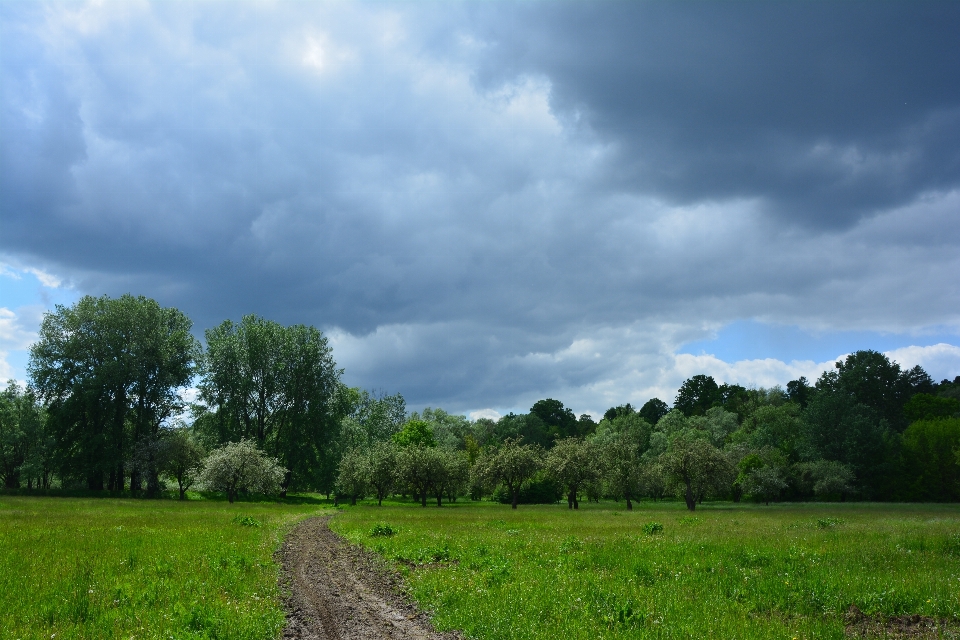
(784, 571)
(114, 568)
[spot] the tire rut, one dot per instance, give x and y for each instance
(339, 591)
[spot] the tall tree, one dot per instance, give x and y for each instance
(278, 386)
(653, 409)
(110, 371)
(697, 394)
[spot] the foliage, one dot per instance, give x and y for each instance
(382, 530)
(26, 447)
(652, 528)
(110, 371)
(925, 406)
(696, 465)
(573, 464)
(353, 475)
(241, 466)
(415, 433)
(512, 464)
(653, 409)
(696, 395)
(382, 462)
(278, 387)
(180, 456)
(931, 467)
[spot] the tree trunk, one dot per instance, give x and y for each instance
(438, 500)
(353, 500)
(230, 494)
(516, 497)
(570, 501)
(423, 498)
(689, 498)
(629, 505)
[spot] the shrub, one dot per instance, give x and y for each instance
(382, 530)
(652, 528)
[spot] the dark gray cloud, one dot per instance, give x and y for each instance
(828, 111)
(486, 203)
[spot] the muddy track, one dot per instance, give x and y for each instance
(338, 591)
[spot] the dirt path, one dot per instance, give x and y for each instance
(340, 592)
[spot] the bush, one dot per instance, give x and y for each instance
(652, 528)
(382, 530)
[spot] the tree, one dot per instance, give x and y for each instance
(800, 391)
(932, 470)
(415, 433)
(352, 475)
(419, 468)
(925, 406)
(693, 463)
(456, 476)
(653, 409)
(573, 463)
(696, 395)
(717, 422)
(560, 421)
(382, 466)
(825, 478)
(512, 464)
(870, 378)
(624, 472)
(21, 435)
(277, 386)
(241, 466)
(110, 371)
(180, 457)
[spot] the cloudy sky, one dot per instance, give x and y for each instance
(484, 204)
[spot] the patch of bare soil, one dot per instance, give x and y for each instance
(339, 591)
(860, 625)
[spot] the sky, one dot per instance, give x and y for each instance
(483, 204)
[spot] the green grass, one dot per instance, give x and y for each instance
(785, 571)
(114, 568)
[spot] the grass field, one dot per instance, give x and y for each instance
(113, 568)
(784, 571)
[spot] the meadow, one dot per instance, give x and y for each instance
(726, 571)
(115, 568)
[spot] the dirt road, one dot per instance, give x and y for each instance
(341, 592)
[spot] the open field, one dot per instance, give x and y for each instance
(784, 571)
(114, 568)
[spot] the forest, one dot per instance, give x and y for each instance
(106, 409)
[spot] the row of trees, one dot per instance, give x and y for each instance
(867, 429)
(107, 382)
(106, 397)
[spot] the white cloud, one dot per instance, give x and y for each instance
(13, 335)
(490, 414)
(939, 360)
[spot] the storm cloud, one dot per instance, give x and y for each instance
(487, 203)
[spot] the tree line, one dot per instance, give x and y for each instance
(105, 409)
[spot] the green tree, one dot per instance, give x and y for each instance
(694, 464)
(573, 463)
(624, 471)
(180, 457)
(415, 433)
(382, 465)
(653, 409)
(512, 464)
(826, 478)
(696, 395)
(353, 475)
(926, 406)
(560, 421)
(277, 386)
(21, 433)
(241, 466)
(930, 449)
(110, 371)
(419, 467)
